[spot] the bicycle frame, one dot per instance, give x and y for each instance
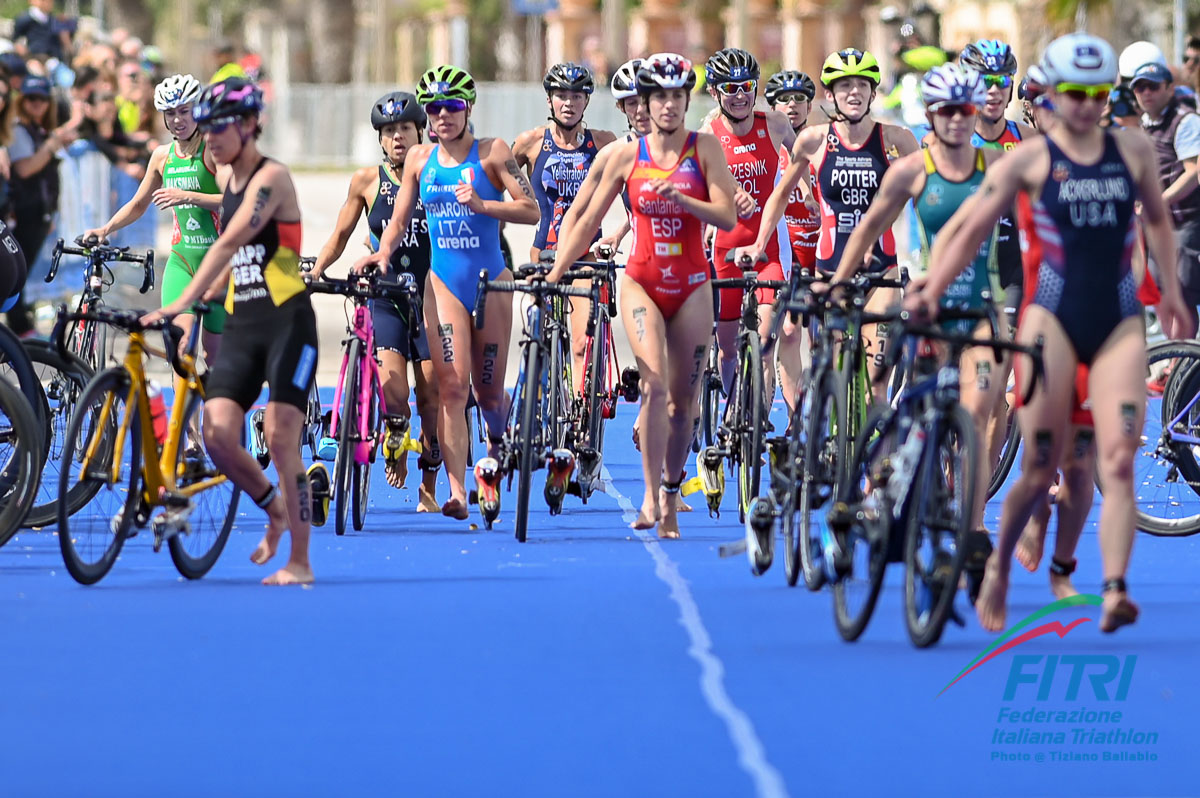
(362, 328)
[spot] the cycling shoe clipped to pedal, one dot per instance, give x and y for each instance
(319, 487)
(711, 479)
(560, 465)
(258, 439)
(587, 473)
(327, 449)
(630, 389)
(487, 489)
(760, 535)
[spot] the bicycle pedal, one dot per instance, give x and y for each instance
(487, 489)
(840, 516)
(760, 537)
(171, 499)
(560, 465)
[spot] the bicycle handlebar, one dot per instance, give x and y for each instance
(130, 321)
(97, 254)
(536, 287)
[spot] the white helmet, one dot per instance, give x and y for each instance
(1080, 58)
(952, 84)
(175, 91)
(1137, 54)
(624, 80)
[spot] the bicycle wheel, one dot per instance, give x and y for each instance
(92, 538)
(710, 398)
(789, 512)
(361, 472)
(62, 383)
(750, 423)
(196, 550)
(826, 441)
(1008, 453)
(313, 422)
(347, 439)
(597, 391)
(1166, 472)
(556, 414)
(865, 542)
(20, 458)
(17, 368)
(527, 437)
(939, 521)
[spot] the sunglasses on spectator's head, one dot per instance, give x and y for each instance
(1079, 92)
(452, 106)
(997, 81)
(216, 126)
(735, 87)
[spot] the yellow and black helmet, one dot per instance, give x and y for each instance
(850, 63)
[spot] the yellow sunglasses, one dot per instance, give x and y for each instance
(1080, 92)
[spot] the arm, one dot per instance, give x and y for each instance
(402, 210)
(718, 210)
(270, 187)
(520, 149)
(58, 138)
(1156, 218)
(899, 139)
(347, 218)
(1183, 186)
(139, 203)
(522, 208)
(780, 129)
(583, 219)
(805, 146)
(898, 187)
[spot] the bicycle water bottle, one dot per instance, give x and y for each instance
(158, 411)
(904, 464)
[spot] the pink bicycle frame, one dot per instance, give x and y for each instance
(368, 382)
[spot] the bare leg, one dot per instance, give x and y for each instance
(647, 338)
(1074, 502)
(727, 352)
(394, 374)
(875, 341)
(281, 427)
(427, 408)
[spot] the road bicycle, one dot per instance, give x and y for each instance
(20, 458)
(110, 443)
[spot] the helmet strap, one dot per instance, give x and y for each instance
(731, 117)
(564, 128)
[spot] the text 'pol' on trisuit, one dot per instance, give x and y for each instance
(194, 229)
(557, 175)
(394, 330)
(938, 201)
(1008, 245)
(464, 242)
(668, 259)
(848, 180)
(271, 329)
(1085, 224)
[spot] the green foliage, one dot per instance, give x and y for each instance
(484, 19)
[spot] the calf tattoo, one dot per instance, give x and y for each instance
(1128, 418)
(304, 497)
(639, 322)
(698, 364)
(1043, 438)
(489, 363)
(446, 333)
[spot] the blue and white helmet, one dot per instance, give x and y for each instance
(952, 84)
(175, 91)
(1080, 58)
(989, 56)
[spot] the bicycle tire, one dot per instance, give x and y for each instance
(14, 356)
(850, 622)
(526, 436)
(361, 472)
(110, 526)
(788, 516)
(20, 454)
(596, 389)
(751, 422)
(931, 576)
(1008, 453)
(313, 421)
(556, 416)
(347, 439)
(213, 509)
(826, 446)
(710, 398)
(62, 383)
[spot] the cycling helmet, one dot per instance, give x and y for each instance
(569, 76)
(624, 80)
(729, 64)
(665, 71)
(850, 63)
(1034, 84)
(989, 57)
(175, 91)
(397, 106)
(1080, 58)
(231, 97)
(789, 80)
(953, 84)
(445, 82)
(1138, 54)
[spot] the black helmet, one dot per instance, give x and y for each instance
(789, 80)
(989, 56)
(231, 97)
(569, 76)
(729, 64)
(397, 106)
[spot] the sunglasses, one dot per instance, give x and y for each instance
(1146, 85)
(216, 126)
(951, 110)
(1079, 92)
(997, 81)
(452, 106)
(788, 99)
(36, 98)
(733, 88)
(1191, 59)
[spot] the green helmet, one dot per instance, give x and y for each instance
(445, 82)
(850, 63)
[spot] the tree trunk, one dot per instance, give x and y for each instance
(331, 30)
(133, 15)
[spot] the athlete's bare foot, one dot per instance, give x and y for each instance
(1117, 611)
(1033, 539)
(1061, 586)
(993, 596)
(681, 506)
(648, 516)
(396, 472)
(291, 574)
(668, 525)
(276, 526)
(426, 501)
(456, 509)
